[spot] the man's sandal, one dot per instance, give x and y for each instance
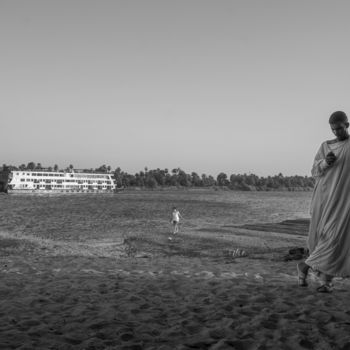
(301, 277)
(325, 288)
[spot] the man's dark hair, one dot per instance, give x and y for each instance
(338, 117)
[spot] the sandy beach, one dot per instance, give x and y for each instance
(53, 297)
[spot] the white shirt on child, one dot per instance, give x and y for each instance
(176, 215)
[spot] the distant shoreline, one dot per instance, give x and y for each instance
(177, 178)
(215, 188)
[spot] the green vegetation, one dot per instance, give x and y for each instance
(243, 182)
(157, 178)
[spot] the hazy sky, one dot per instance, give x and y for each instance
(207, 86)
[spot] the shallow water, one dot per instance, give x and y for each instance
(85, 217)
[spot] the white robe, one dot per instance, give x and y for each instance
(329, 232)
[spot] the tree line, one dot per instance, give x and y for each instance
(177, 177)
(243, 182)
(37, 166)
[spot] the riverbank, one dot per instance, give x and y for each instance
(221, 188)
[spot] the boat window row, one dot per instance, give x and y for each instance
(86, 176)
(64, 187)
(41, 174)
(91, 176)
(65, 181)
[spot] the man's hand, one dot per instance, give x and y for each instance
(330, 158)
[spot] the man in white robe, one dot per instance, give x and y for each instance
(329, 232)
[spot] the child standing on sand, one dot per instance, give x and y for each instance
(175, 219)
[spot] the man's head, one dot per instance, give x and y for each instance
(339, 124)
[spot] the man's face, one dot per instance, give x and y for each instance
(340, 130)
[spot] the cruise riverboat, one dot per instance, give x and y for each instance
(51, 181)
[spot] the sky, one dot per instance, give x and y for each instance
(242, 86)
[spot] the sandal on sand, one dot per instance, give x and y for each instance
(325, 288)
(301, 277)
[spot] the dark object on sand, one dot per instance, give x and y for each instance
(296, 254)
